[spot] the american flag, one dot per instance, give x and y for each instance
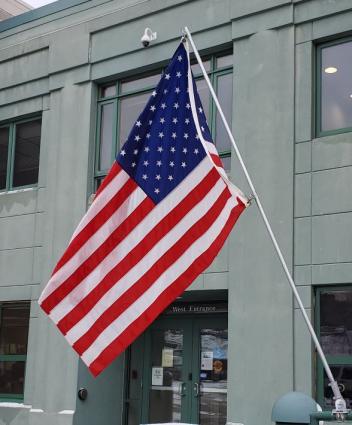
(158, 220)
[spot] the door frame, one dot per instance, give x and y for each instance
(191, 323)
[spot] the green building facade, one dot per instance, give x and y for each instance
(73, 78)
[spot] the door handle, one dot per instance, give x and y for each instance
(182, 389)
(196, 389)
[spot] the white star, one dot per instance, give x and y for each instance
(144, 177)
(186, 121)
(123, 152)
(196, 151)
(158, 176)
(133, 164)
(174, 135)
(174, 120)
(178, 74)
(202, 128)
(138, 123)
(160, 149)
(156, 190)
(188, 105)
(197, 137)
(200, 110)
(158, 163)
(165, 91)
(137, 138)
(177, 90)
(170, 178)
(152, 108)
(135, 151)
(183, 164)
(147, 135)
(163, 105)
(172, 149)
(146, 163)
(150, 122)
(172, 164)
(154, 93)
(185, 136)
(176, 105)
(162, 120)
(167, 76)
(179, 58)
(161, 135)
(146, 149)
(184, 150)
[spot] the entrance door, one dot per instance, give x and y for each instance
(185, 371)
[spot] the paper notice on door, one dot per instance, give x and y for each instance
(157, 375)
(167, 357)
(206, 360)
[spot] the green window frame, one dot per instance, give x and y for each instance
(110, 96)
(13, 350)
(336, 361)
(7, 177)
(319, 132)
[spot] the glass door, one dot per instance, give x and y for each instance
(210, 390)
(185, 371)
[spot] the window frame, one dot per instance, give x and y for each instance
(15, 357)
(318, 98)
(331, 359)
(213, 75)
(11, 125)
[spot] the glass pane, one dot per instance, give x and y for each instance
(343, 375)
(166, 376)
(12, 377)
(108, 91)
(27, 149)
(4, 146)
(204, 97)
(196, 68)
(336, 322)
(213, 377)
(14, 329)
(224, 92)
(106, 136)
(130, 108)
(140, 83)
(224, 61)
(336, 88)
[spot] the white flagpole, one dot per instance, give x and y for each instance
(340, 403)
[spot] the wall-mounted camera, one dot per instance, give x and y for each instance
(148, 37)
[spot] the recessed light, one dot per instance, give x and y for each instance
(350, 95)
(330, 70)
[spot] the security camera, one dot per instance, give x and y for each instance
(147, 37)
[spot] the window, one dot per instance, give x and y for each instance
(14, 322)
(334, 107)
(334, 321)
(120, 103)
(19, 153)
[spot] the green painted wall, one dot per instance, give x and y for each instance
(51, 62)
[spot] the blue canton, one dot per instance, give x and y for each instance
(163, 146)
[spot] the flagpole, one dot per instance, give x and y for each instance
(340, 403)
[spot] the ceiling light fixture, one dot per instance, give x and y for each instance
(330, 70)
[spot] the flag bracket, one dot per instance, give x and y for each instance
(340, 410)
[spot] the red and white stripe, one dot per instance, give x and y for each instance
(97, 302)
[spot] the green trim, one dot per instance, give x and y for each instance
(13, 357)
(11, 125)
(331, 359)
(11, 397)
(318, 84)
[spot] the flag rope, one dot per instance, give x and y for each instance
(340, 403)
